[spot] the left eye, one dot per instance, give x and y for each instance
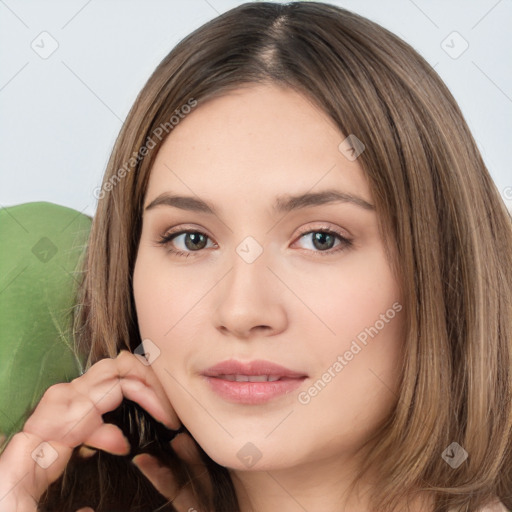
(321, 240)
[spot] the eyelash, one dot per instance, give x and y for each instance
(165, 240)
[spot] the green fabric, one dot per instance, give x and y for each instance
(40, 247)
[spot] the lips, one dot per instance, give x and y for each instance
(254, 382)
(250, 378)
(254, 368)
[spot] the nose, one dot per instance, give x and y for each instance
(250, 300)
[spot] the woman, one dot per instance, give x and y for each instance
(297, 290)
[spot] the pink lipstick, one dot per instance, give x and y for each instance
(254, 382)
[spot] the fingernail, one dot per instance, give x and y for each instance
(86, 452)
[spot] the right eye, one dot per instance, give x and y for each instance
(190, 241)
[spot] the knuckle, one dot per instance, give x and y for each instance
(81, 409)
(123, 354)
(124, 357)
(20, 439)
(125, 362)
(104, 364)
(57, 392)
(99, 368)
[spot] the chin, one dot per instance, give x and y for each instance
(240, 454)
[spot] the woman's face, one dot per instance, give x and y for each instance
(266, 277)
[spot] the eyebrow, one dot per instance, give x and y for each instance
(283, 204)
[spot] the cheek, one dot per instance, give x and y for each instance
(147, 292)
(357, 365)
(357, 377)
(164, 295)
(347, 301)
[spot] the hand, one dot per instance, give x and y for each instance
(69, 415)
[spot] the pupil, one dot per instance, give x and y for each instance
(321, 239)
(195, 238)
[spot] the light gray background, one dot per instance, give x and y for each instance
(60, 115)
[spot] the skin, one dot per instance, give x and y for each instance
(297, 305)
(70, 415)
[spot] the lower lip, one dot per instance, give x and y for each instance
(252, 393)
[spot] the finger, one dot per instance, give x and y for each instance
(186, 448)
(86, 509)
(64, 414)
(85, 452)
(79, 417)
(79, 421)
(160, 476)
(38, 463)
(163, 480)
(103, 375)
(146, 396)
(129, 364)
(109, 438)
(107, 395)
(79, 412)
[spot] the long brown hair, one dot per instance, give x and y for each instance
(438, 208)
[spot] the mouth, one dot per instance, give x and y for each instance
(255, 368)
(252, 383)
(250, 378)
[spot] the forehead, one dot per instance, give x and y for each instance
(256, 141)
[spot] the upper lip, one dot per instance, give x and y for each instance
(256, 367)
